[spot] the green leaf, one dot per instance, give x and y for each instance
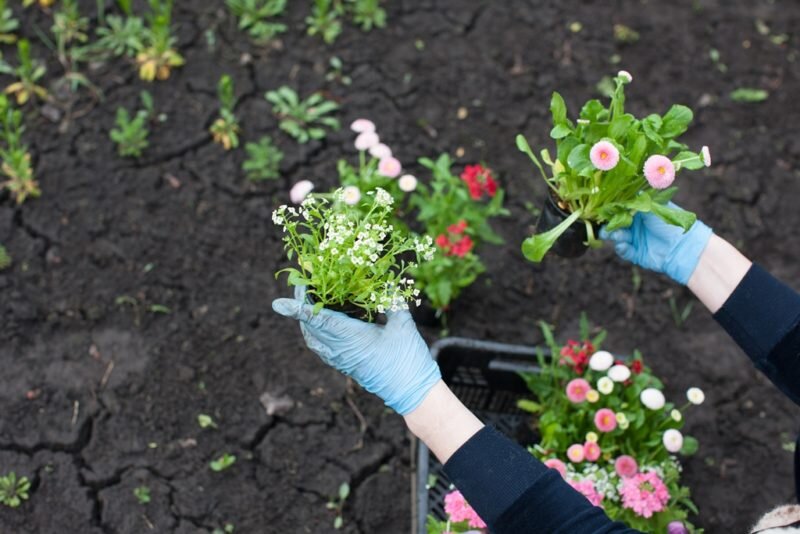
(688, 160)
(675, 216)
(529, 406)
(621, 220)
(676, 121)
(619, 127)
(748, 94)
(578, 158)
(690, 446)
(558, 109)
(344, 491)
(535, 247)
(338, 522)
(591, 110)
(523, 146)
(560, 131)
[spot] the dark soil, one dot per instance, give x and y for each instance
(99, 396)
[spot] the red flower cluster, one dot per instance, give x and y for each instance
(577, 354)
(479, 180)
(636, 367)
(454, 242)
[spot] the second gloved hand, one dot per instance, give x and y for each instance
(391, 361)
(653, 244)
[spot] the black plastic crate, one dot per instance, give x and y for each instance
(484, 376)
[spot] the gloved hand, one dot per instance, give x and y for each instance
(653, 244)
(391, 361)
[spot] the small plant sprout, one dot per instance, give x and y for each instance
(69, 29)
(121, 36)
(225, 129)
(336, 74)
(748, 94)
(256, 17)
(337, 504)
(263, 160)
(206, 421)
(348, 253)
(8, 24)
(14, 490)
(142, 494)
(130, 134)
(222, 463)
(5, 258)
(16, 160)
(325, 19)
(368, 14)
(303, 119)
(28, 73)
(227, 529)
(158, 56)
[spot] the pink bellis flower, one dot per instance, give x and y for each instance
(659, 171)
(604, 155)
(591, 451)
(626, 466)
(300, 191)
(577, 388)
(605, 420)
(575, 453)
(389, 167)
(362, 125)
(587, 489)
(380, 151)
(558, 465)
(366, 140)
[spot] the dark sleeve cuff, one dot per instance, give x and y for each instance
(763, 316)
(514, 492)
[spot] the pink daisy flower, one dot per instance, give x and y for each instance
(659, 171)
(605, 420)
(558, 465)
(362, 125)
(591, 451)
(459, 510)
(389, 167)
(380, 151)
(300, 191)
(644, 493)
(586, 488)
(604, 155)
(577, 388)
(366, 140)
(575, 453)
(626, 466)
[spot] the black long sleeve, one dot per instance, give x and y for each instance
(763, 316)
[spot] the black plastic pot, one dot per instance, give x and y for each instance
(572, 243)
(426, 315)
(350, 310)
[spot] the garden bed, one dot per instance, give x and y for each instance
(100, 394)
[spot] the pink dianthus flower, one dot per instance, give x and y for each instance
(586, 488)
(577, 388)
(459, 510)
(659, 171)
(604, 155)
(644, 493)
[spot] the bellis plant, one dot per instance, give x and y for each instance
(607, 428)
(349, 256)
(609, 165)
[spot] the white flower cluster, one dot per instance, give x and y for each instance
(424, 247)
(382, 197)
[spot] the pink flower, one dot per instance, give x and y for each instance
(389, 167)
(558, 465)
(626, 466)
(380, 151)
(586, 488)
(604, 155)
(577, 390)
(605, 420)
(659, 171)
(575, 453)
(366, 140)
(459, 510)
(300, 191)
(591, 451)
(362, 125)
(644, 493)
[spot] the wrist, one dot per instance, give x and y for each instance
(719, 272)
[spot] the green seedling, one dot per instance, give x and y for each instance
(158, 55)
(325, 19)
(337, 504)
(222, 463)
(625, 34)
(16, 160)
(8, 24)
(368, 14)
(121, 36)
(27, 73)
(69, 29)
(14, 490)
(263, 160)
(142, 494)
(205, 421)
(5, 258)
(130, 134)
(225, 129)
(256, 17)
(227, 529)
(748, 94)
(336, 74)
(303, 119)
(680, 315)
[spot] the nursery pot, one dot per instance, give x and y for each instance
(571, 244)
(348, 309)
(426, 315)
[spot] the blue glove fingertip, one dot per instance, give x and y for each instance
(287, 307)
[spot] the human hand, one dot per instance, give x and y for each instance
(653, 244)
(391, 361)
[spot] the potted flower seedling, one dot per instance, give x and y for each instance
(608, 166)
(349, 257)
(608, 429)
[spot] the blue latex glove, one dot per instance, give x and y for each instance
(653, 244)
(391, 361)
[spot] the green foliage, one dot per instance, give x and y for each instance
(263, 160)
(142, 494)
(206, 421)
(8, 24)
(14, 490)
(336, 74)
(121, 36)
(368, 14)
(680, 315)
(748, 94)
(625, 34)
(225, 129)
(27, 73)
(613, 197)
(130, 134)
(435, 526)
(255, 16)
(69, 29)
(223, 462)
(227, 529)
(16, 160)
(337, 504)
(5, 258)
(325, 19)
(303, 119)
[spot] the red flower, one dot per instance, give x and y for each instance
(491, 185)
(463, 247)
(458, 228)
(479, 180)
(637, 367)
(442, 241)
(577, 354)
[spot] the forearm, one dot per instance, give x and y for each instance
(719, 272)
(442, 422)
